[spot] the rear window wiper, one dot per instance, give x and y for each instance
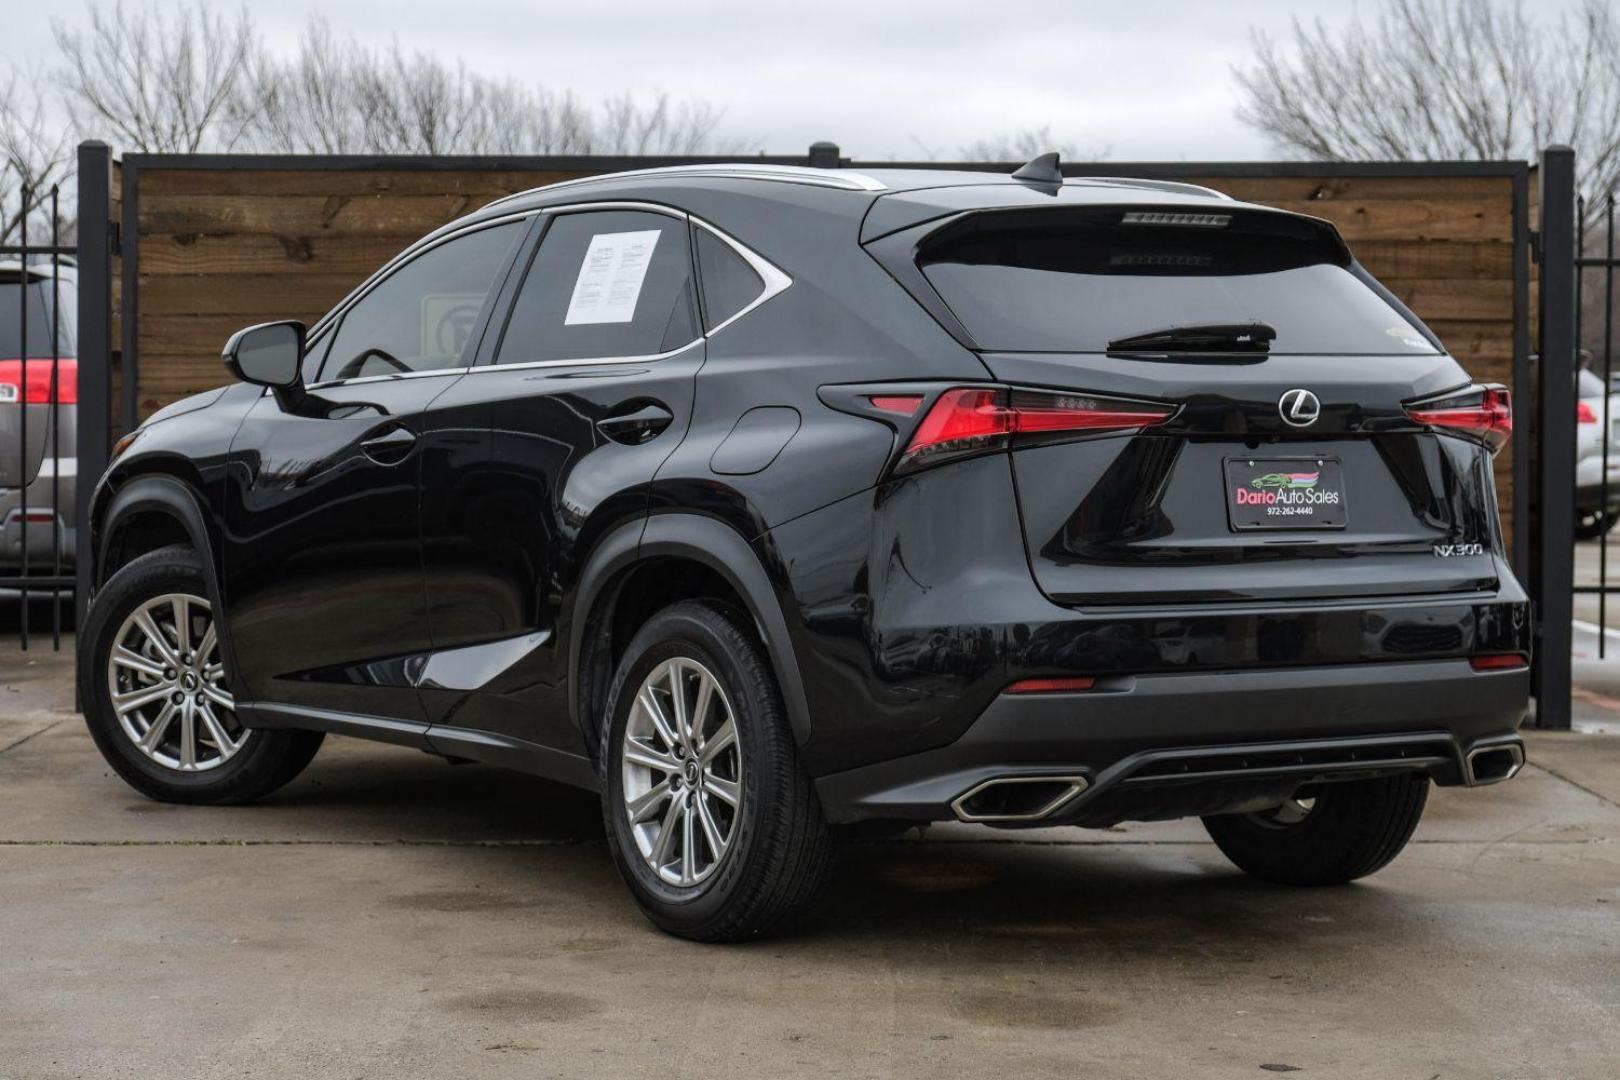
(1252, 337)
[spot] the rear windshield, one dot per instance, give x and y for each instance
(39, 320)
(1074, 280)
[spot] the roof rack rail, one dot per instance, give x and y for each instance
(844, 179)
(1175, 186)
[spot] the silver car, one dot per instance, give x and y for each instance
(39, 394)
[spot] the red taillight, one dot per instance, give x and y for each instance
(1584, 413)
(1051, 686)
(1499, 662)
(972, 419)
(1485, 412)
(33, 386)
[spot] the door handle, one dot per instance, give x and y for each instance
(637, 426)
(390, 447)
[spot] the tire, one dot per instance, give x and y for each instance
(776, 848)
(263, 759)
(1351, 829)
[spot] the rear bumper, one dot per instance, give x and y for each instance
(1170, 745)
(50, 523)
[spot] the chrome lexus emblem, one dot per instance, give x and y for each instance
(1299, 408)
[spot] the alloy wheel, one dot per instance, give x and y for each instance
(682, 772)
(167, 682)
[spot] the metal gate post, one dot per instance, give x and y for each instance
(96, 246)
(1553, 580)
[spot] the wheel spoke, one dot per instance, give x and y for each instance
(160, 642)
(666, 834)
(688, 847)
(216, 731)
(724, 736)
(724, 788)
(188, 735)
(131, 700)
(655, 712)
(700, 711)
(205, 647)
(677, 696)
(711, 831)
(124, 656)
(219, 697)
(641, 807)
(639, 753)
(159, 727)
(182, 624)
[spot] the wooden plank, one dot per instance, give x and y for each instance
(1475, 299)
(1435, 258)
(261, 183)
(242, 294)
(301, 214)
(1473, 218)
(255, 254)
(186, 335)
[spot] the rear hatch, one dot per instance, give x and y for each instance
(30, 377)
(1299, 456)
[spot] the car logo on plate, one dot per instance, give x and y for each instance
(1299, 408)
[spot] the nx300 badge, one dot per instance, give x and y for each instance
(1452, 551)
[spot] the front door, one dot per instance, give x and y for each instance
(322, 532)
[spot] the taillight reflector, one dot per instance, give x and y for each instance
(1498, 662)
(903, 404)
(31, 381)
(972, 419)
(1051, 686)
(1485, 412)
(1584, 413)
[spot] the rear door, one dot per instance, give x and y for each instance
(322, 545)
(550, 442)
(36, 369)
(1290, 469)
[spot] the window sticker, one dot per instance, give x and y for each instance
(609, 282)
(447, 322)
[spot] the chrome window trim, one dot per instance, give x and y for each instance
(775, 280)
(586, 361)
(392, 376)
(841, 179)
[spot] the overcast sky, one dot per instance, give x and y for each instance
(1146, 79)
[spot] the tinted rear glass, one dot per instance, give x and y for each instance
(39, 321)
(1074, 280)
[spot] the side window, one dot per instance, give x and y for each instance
(420, 317)
(729, 283)
(604, 283)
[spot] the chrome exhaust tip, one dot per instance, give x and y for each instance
(1493, 763)
(1016, 798)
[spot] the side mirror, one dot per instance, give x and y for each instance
(269, 354)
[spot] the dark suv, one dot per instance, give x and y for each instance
(767, 500)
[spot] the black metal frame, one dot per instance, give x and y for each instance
(1553, 574)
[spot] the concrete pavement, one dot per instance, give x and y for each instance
(388, 915)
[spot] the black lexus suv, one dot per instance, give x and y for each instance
(769, 500)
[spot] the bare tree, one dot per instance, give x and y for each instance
(1444, 80)
(36, 152)
(157, 80)
(336, 95)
